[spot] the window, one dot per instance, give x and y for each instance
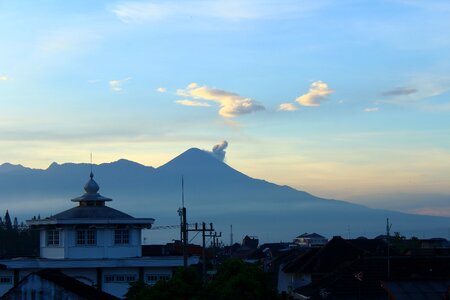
(86, 237)
(153, 278)
(118, 278)
(52, 237)
(121, 236)
(5, 279)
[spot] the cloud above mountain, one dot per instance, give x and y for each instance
(231, 104)
(187, 102)
(287, 107)
(318, 92)
(218, 151)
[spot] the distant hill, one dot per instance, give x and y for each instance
(214, 192)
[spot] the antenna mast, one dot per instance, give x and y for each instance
(182, 192)
(184, 227)
(388, 228)
(231, 235)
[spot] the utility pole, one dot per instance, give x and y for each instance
(204, 232)
(215, 245)
(185, 239)
(183, 227)
(388, 237)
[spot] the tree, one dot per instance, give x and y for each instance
(237, 280)
(185, 284)
(8, 224)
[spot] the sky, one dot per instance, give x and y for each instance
(343, 99)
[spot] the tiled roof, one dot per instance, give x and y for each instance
(327, 258)
(90, 212)
(310, 235)
(363, 276)
(70, 284)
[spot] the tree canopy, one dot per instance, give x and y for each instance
(235, 280)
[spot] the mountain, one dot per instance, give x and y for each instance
(213, 192)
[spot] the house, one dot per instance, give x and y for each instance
(50, 284)
(95, 244)
(356, 269)
(310, 240)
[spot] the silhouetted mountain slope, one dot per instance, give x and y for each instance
(214, 192)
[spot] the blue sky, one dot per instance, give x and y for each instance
(343, 99)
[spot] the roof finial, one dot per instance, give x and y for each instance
(92, 174)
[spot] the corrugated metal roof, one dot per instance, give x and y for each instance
(41, 263)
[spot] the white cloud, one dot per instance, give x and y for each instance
(161, 89)
(231, 104)
(287, 107)
(116, 84)
(187, 102)
(318, 92)
(135, 12)
(371, 109)
(4, 78)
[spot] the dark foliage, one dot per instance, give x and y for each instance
(237, 280)
(185, 284)
(17, 241)
(234, 280)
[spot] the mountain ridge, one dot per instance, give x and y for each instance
(214, 192)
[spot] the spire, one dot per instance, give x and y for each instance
(91, 186)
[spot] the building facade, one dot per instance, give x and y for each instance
(95, 244)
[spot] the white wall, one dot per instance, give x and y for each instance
(118, 289)
(104, 248)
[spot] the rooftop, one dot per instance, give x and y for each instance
(92, 211)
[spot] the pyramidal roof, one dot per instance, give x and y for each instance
(92, 210)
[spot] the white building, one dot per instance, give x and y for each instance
(310, 240)
(95, 244)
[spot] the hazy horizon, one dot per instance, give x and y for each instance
(402, 202)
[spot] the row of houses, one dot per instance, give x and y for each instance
(93, 251)
(379, 268)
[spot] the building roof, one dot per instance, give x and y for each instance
(364, 275)
(310, 235)
(68, 283)
(86, 212)
(92, 211)
(417, 289)
(43, 263)
(327, 258)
